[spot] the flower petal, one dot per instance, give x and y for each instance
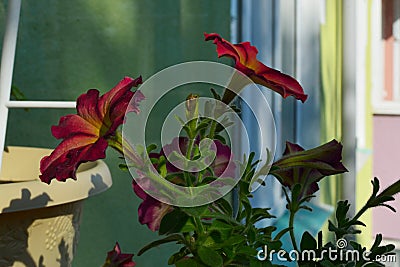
(65, 159)
(137, 98)
(245, 56)
(114, 104)
(117, 259)
(127, 103)
(307, 167)
(108, 99)
(72, 125)
(85, 133)
(86, 106)
(151, 212)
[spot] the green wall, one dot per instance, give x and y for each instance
(66, 47)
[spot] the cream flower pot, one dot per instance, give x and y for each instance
(39, 223)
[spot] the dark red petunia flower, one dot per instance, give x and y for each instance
(308, 167)
(150, 211)
(117, 259)
(245, 56)
(85, 134)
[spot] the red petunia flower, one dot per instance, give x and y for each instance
(246, 62)
(86, 133)
(117, 259)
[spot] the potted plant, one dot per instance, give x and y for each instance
(184, 184)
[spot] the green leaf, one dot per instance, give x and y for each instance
(225, 206)
(215, 94)
(305, 207)
(260, 214)
(391, 190)
(254, 262)
(308, 242)
(188, 263)
(378, 240)
(229, 219)
(229, 252)
(267, 231)
(123, 167)
(196, 211)
(383, 199)
(388, 206)
(223, 228)
(173, 222)
(248, 209)
(220, 138)
(210, 257)
(170, 238)
(385, 196)
(213, 240)
(251, 234)
(178, 255)
(359, 223)
(151, 147)
(202, 125)
(236, 239)
(341, 212)
(375, 186)
(246, 250)
(275, 245)
(332, 227)
(189, 226)
(179, 119)
(16, 93)
(327, 263)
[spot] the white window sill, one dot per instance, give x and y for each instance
(387, 108)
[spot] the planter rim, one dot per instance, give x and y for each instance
(30, 193)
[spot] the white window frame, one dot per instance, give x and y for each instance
(6, 74)
(381, 106)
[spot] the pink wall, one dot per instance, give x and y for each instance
(386, 166)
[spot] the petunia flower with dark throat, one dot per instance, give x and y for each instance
(308, 167)
(245, 56)
(86, 134)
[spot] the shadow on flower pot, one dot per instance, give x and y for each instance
(14, 234)
(39, 223)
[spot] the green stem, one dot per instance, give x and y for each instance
(188, 179)
(359, 214)
(291, 231)
(116, 142)
(200, 178)
(305, 184)
(190, 148)
(212, 129)
(199, 225)
(131, 155)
